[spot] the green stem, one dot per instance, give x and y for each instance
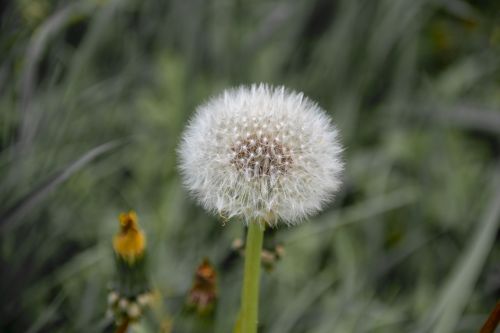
(251, 280)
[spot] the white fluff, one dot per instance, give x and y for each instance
(261, 152)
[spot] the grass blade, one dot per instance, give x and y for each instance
(30, 200)
(453, 300)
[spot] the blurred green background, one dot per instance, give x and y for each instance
(94, 95)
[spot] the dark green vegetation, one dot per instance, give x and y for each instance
(94, 95)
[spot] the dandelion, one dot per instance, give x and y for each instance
(129, 294)
(266, 155)
(130, 242)
(261, 153)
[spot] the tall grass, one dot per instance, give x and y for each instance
(411, 244)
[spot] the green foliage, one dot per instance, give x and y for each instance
(410, 244)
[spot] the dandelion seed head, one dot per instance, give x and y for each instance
(261, 152)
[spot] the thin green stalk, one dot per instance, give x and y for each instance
(251, 280)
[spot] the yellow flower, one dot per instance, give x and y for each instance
(130, 241)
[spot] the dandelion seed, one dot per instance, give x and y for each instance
(261, 179)
(123, 303)
(133, 311)
(113, 297)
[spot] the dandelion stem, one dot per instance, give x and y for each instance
(251, 279)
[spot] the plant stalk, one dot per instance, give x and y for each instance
(492, 322)
(251, 279)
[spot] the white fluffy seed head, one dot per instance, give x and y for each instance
(261, 153)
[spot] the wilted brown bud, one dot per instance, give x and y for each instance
(203, 293)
